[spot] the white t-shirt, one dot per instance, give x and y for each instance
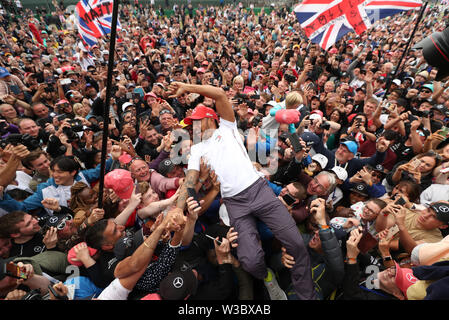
(227, 156)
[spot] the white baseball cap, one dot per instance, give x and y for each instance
(126, 105)
(314, 116)
(321, 159)
(341, 173)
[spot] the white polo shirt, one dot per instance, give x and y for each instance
(226, 154)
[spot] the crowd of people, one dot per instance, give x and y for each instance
(243, 162)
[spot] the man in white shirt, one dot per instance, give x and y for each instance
(245, 194)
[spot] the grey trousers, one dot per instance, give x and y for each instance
(259, 200)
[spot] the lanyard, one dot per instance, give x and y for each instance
(338, 165)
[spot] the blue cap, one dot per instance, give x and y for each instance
(3, 72)
(351, 145)
(428, 86)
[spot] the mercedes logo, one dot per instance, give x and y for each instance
(360, 187)
(444, 209)
(411, 278)
(53, 219)
(178, 282)
(167, 162)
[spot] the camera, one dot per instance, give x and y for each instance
(256, 120)
(54, 147)
(70, 132)
(290, 78)
(183, 49)
(16, 138)
(325, 125)
(423, 113)
(57, 221)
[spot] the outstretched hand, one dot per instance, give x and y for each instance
(176, 89)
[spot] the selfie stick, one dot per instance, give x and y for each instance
(405, 50)
(106, 103)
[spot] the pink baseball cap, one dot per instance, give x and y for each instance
(404, 278)
(121, 182)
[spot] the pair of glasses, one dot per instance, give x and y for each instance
(426, 91)
(134, 159)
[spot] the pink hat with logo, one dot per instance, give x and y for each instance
(121, 182)
(404, 278)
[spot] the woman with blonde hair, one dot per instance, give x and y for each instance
(80, 110)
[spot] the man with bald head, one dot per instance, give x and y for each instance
(140, 172)
(27, 125)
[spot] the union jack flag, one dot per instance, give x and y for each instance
(326, 21)
(94, 18)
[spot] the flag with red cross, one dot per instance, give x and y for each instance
(326, 21)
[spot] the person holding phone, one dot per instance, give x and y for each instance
(419, 169)
(325, 252)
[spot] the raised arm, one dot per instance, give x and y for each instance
(224, 107)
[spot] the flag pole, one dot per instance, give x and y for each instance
(107, 102)
(423, 9)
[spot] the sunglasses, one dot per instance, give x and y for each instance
(63, 223)
(426, 91)
(134, 159)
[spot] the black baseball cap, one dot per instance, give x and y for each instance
(165, 167)
(442, 211)
(178, 285)
(360, 188)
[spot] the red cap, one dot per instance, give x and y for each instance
(404, 278)
(121, 182)
(202, 70)
(201, 112)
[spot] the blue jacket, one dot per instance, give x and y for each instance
(50, 189)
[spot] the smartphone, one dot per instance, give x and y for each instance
(137, 188)
(56, 294)
(416, 163)
(445, 170)
(66, 81)
(129, 95)
(392, 231)
(139, 91)
(192, 193)
(367, 242)
(15, 271)
(294, 140)
(212, 238)
(289, 200)
(444, 131)
(400, 201)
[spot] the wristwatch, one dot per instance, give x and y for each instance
(387, 258)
